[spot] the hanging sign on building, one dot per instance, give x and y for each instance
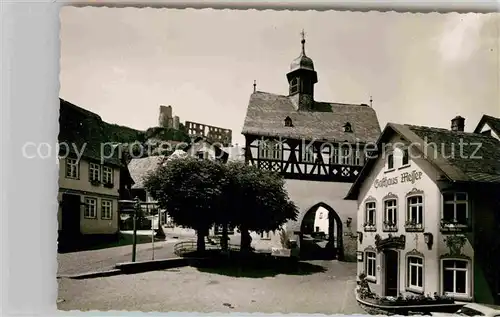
(406, 177)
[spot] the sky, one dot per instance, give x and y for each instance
(424, 69)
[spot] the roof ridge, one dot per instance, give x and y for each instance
(479, 135)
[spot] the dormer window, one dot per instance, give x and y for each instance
(288, 122)
(347, 127)
(294, 85)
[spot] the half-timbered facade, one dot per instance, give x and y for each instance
(317, 146)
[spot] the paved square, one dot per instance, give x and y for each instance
(192, 289)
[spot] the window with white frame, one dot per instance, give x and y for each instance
(455, 277)
(390, 212)
(415, 270)
(370, 265)
(308, 154)
(390, 161)
(405, 159)
(72, 168)
(370, 213)
(455, 208)
(107, 175)
(335, 155)
(106, 209)
(264, 149)
(90, 208)
(270, 150)
(415, 205)
(95, 172)
(346, 155)
(276, 154)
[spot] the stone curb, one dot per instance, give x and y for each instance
(92, 274)
(154, 265)
(136, 267)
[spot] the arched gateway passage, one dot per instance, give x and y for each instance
(321, 234)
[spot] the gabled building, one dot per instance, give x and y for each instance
(428, 216)
(489, 125)
(316, 146)
(90, 177)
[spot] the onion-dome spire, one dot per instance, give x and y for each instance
(302, 62)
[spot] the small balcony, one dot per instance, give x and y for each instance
(390, 226)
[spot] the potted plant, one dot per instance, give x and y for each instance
(369, 226)
(390, 226)
(95, 182)
(412, 225)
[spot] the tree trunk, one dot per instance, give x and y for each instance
(246, 240)
(225, 238)
(200, 240)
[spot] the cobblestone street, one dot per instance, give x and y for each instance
(191, 289)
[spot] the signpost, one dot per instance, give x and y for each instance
(133, 207)
(135, 210)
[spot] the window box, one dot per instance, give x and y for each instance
(453, 225)
(390, 227)
(95, 182)
(369, 227)
(412, 226)
(109, 185)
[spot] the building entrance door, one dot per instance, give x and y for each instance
(391, 268)
(70, 215)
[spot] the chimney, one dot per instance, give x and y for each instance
(458, 124)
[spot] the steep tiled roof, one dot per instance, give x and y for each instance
(85, 130)
(493, 123)
(266, 113)
(140, 168)
(476, 157)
